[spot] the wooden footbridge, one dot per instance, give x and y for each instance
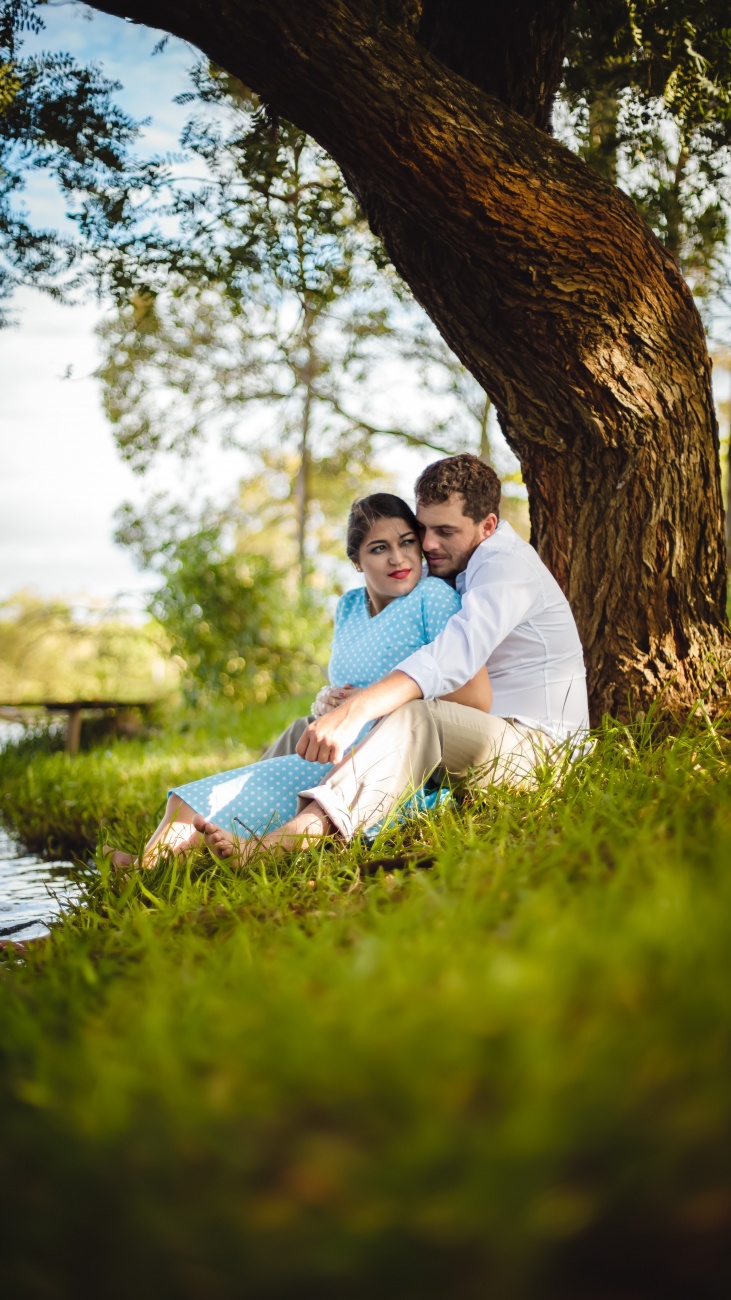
(74, 710)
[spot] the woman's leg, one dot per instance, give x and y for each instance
(300, 831)
(176, 832)
(265, 800)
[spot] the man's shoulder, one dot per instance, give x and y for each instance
(506, 559)
(505, 547)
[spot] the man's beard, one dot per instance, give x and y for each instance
(447, 573)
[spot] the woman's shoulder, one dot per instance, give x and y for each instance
(349, 601)
(437, 594)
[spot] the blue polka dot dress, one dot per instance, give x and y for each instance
(255, 799)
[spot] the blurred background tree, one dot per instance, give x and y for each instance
(59, 118)
(277, 336)
(237, 626)
(51, 650)
(648, 101)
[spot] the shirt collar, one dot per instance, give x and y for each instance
(502, 533)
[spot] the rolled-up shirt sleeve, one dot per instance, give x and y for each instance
(496, 602)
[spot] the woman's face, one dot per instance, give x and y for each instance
(390, 557)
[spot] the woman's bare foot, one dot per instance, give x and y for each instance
(304, 829)
(116, 857)
(175, 838)
(221, 842)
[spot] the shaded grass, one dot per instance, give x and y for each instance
(506, 1076)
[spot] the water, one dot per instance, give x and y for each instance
(32, 892)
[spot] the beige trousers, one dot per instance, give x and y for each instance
(421, 739)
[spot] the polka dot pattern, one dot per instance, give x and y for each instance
(255, 799)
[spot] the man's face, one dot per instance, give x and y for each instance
(449, 537)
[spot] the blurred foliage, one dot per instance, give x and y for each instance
(506, 1076)
(262, 519)
(239, 626)
(50, 650)
(676, 52)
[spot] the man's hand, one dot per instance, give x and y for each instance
(329, 737)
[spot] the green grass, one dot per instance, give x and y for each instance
(507, 1076)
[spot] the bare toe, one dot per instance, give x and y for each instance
(220, 845)
(116, 857)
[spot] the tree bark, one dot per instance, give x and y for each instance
(543, 279)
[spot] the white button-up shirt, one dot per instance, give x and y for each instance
(516, 620)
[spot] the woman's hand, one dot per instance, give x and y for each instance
(331, 697)
(338, 695)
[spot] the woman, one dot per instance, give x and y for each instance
(376, 627)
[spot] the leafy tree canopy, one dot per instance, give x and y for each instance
(60, 118)
(672, 52)
(647, 86)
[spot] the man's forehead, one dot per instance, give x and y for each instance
(436, 512)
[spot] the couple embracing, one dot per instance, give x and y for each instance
(472, 670)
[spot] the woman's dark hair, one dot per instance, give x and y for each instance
(366, 512)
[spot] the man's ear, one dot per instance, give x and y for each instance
(488, 526)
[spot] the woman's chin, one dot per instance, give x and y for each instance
(403, 586)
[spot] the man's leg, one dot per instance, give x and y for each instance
(493, 750)
(405, 748)
(287, 742)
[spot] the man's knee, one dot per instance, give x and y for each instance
(411, 735)
(514, 762)
(410, 718)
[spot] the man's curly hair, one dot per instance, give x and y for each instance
(466, 474)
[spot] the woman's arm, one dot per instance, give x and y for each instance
(476, 693)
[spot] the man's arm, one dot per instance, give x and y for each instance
(501, 595)
(497, 601)
(327, 738)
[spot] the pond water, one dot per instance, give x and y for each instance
(32, 892)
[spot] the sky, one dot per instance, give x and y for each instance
(61, 478)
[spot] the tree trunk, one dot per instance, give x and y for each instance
(542, 278)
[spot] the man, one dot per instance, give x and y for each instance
(514, 618)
